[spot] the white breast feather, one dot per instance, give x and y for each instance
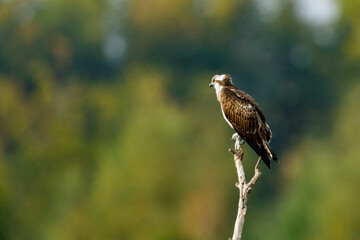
(226, 118)
(218, 89)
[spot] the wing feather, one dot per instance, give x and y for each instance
(242, 114)
(243, 95)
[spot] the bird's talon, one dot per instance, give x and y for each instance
(235, 137)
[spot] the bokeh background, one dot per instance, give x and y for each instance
(108, 129)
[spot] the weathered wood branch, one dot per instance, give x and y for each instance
(244, 189)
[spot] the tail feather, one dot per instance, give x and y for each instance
(260, 151)
(270, 152)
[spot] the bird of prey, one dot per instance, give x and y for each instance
(244, 115)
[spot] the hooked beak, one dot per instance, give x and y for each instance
(211, 85)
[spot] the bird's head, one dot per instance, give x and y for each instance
(221, 80)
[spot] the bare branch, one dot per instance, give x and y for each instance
(244, 189)
(255, 177)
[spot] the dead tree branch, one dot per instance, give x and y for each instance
(244, 189)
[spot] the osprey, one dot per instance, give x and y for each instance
(244, 115)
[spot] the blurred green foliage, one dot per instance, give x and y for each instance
(108, 129)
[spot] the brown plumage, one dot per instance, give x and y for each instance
(244, 115)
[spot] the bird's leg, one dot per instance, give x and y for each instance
(234, 137)
(238, 141)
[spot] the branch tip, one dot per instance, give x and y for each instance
(258, 163)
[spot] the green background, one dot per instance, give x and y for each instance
(108, 129)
